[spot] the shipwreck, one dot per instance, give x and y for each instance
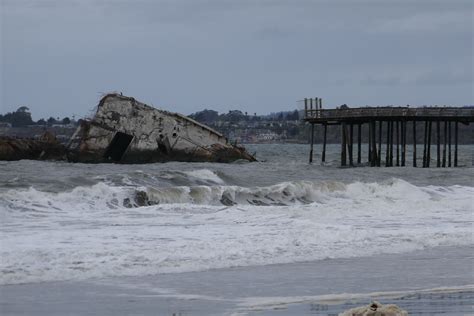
(124, 130)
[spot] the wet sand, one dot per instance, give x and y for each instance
(433, 281)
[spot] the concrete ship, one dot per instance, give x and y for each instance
(127, 131)
(124, 130)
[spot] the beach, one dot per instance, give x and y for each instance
(432, 281)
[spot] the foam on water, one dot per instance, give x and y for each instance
(286, 193)
(205, 175)
(88, 232)
(268, 303)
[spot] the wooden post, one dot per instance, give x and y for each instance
(391, 144)
(312, 144)
(414, 144)
(445, 138)
(351, 142)
(323, 157)
(373, 159)
(404, 142)
(387, 152)
(438, 145)
(424, 144)
(379, 153)
(428, 158)
(343, 144)
(397, 132)
(320, 106)
(359, 140)
(305, 107)
(456, 144)
(370, 143)
(449, 143)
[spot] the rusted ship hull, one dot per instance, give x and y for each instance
(17, 149)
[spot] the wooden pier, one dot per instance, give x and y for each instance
(395, 122)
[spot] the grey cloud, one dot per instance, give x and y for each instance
(405, 76)
(449, 77)
(262, 55)
(451, 21)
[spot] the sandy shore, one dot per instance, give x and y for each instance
(436, 281)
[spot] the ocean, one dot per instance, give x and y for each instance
(80, 226)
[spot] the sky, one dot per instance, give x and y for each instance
(58, 57)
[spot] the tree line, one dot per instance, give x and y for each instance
(233, 116)
(22, 118)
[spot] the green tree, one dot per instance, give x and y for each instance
(23, 109)
(205, 116)
(293, 116)
(66, 121)
(51, 121)
(233, 116)
(20, 118)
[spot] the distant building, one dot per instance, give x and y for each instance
(264, 137)
(4, 127)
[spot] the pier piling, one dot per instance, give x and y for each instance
(425, 140)
(455, 144)
(323, 156)
(373, 159)
(312, 144)
(397, 132)
(404, 142)
(387, 151)
(351, 141)
(428, 150)
(445, 138)
(396, 119)
(449, 144)
(391, 144)
(359, 140)
(414, 144)
(343, 144)
(438, 142)
(379, 153)
(369, 152)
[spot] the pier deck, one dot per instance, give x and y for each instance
(324, 116)
(394, 122)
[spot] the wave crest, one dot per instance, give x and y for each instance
(106, 196)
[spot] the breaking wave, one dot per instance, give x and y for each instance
(103, 195)
(286, 193)
(107, 229)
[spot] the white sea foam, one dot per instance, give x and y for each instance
(268, 303)
(98, 196)
(205, 175)
(87, 232)
(286, 193)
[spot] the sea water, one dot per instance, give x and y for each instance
(62, 221)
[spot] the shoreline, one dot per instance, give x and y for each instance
(286, 289)
(443, 301)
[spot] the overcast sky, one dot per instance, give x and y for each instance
(59, 56)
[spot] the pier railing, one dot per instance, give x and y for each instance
(387, 112)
